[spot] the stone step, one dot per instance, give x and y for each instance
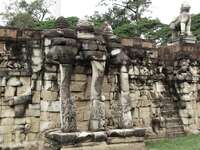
(173, 126)
(175, 134)
(169, 114)
(173, 121)
(175, 130)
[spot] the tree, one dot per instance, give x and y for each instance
(121, 12)
(151, 29)
(130, 9)
(20, 10)
(51, 23)
(196, 26)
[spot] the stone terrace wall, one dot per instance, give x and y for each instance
(164, 89)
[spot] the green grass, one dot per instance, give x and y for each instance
(191, 142)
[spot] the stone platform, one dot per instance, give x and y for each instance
(126, 139)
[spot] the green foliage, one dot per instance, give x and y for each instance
(196, 26)
(181, 143)
(48, 24)
(19, 19)
(51, 23)
(72, 21)
(132, 10)
(20, 13)
(121, 12)
(151, 29)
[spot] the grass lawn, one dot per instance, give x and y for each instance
(191, 142)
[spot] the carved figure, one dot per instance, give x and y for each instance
(121, 59)
(93, 49)
(63, 51)
(182, 24)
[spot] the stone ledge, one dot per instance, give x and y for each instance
(102, 136)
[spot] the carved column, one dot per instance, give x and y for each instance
(68, 114)
(125, 99)
(97, 114)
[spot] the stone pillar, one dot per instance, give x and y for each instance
(125, 99)
(97, 114)
(68, 114)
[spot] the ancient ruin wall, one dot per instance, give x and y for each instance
(163, 94)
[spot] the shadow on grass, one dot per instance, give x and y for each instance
(191, 142)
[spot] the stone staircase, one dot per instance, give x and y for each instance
(170, 113)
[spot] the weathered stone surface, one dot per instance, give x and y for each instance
(14, 82)
(49, 95)
(68, 114)
(97, 115)
(50, 106)
(82, 137)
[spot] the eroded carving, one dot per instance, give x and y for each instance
(62, 42)
(181, 26)
(93, 49)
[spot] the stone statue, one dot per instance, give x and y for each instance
(63, 50)
(93, 49)
(106, 28)
(120, 58)
(182, 24)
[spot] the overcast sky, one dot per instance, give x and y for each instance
(165, 10)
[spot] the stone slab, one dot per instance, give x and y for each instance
(102, 136)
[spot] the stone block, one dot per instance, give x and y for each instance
(83, 125)
(20, 121)
(55, 117)
(7, 121)
(36, 97)
(82, 69)
(46, 125)
(50, 68)
(7, 138)
(51, 86)
(117, 140)
(77, 86)
(37, 52)
(14, 82)
(39, 85)
(89, 45)
(47, 42)
(44, 116)
(36, 68)
(79, 115)
(48, 85)
(7, 113)
(10, 91)
(89, 146)
(12, 33)
(49, 95)
(78, 96)
(50, 106)
(37, 60)
(6, 129)
(147, 45)
(131, 42)
(84, 35)
(35, 126)
(32, 137)
(50, 76)
(34, 106)
(79, 77)
(26, 82)
(32, 113)
(19, 137)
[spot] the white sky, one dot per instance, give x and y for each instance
(165, 10)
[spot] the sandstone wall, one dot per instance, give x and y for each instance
(164, 88)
